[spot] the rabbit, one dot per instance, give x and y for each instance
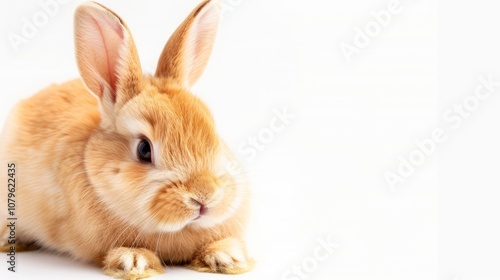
(124, 169)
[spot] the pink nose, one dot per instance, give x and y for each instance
(203, 209)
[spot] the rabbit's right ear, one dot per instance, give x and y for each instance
(106, 56)
(186, 53)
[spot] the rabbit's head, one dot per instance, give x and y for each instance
(156, 160)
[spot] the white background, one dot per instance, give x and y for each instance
(323, 175)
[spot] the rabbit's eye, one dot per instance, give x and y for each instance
(144, 150)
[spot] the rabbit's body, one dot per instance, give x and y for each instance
(57, 203)
(137, 175)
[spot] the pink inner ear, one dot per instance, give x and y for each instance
(106, 38)
(200, 41)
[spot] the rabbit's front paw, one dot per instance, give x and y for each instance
(226, 256)
(132, 263)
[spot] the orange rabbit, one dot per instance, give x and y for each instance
(126, 170)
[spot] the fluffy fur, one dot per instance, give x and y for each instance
(81, 189)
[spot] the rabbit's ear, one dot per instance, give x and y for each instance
(106, 55)
(186, 53)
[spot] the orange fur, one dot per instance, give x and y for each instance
(82, 189)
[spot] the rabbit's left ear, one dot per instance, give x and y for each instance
(106, 55)
(186, 53)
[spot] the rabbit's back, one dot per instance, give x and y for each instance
(40, 136)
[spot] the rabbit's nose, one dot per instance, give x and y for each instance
(203, 209)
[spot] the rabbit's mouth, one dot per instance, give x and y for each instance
(198, 216)
(201, 213)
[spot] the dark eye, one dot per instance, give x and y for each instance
(144, 150)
